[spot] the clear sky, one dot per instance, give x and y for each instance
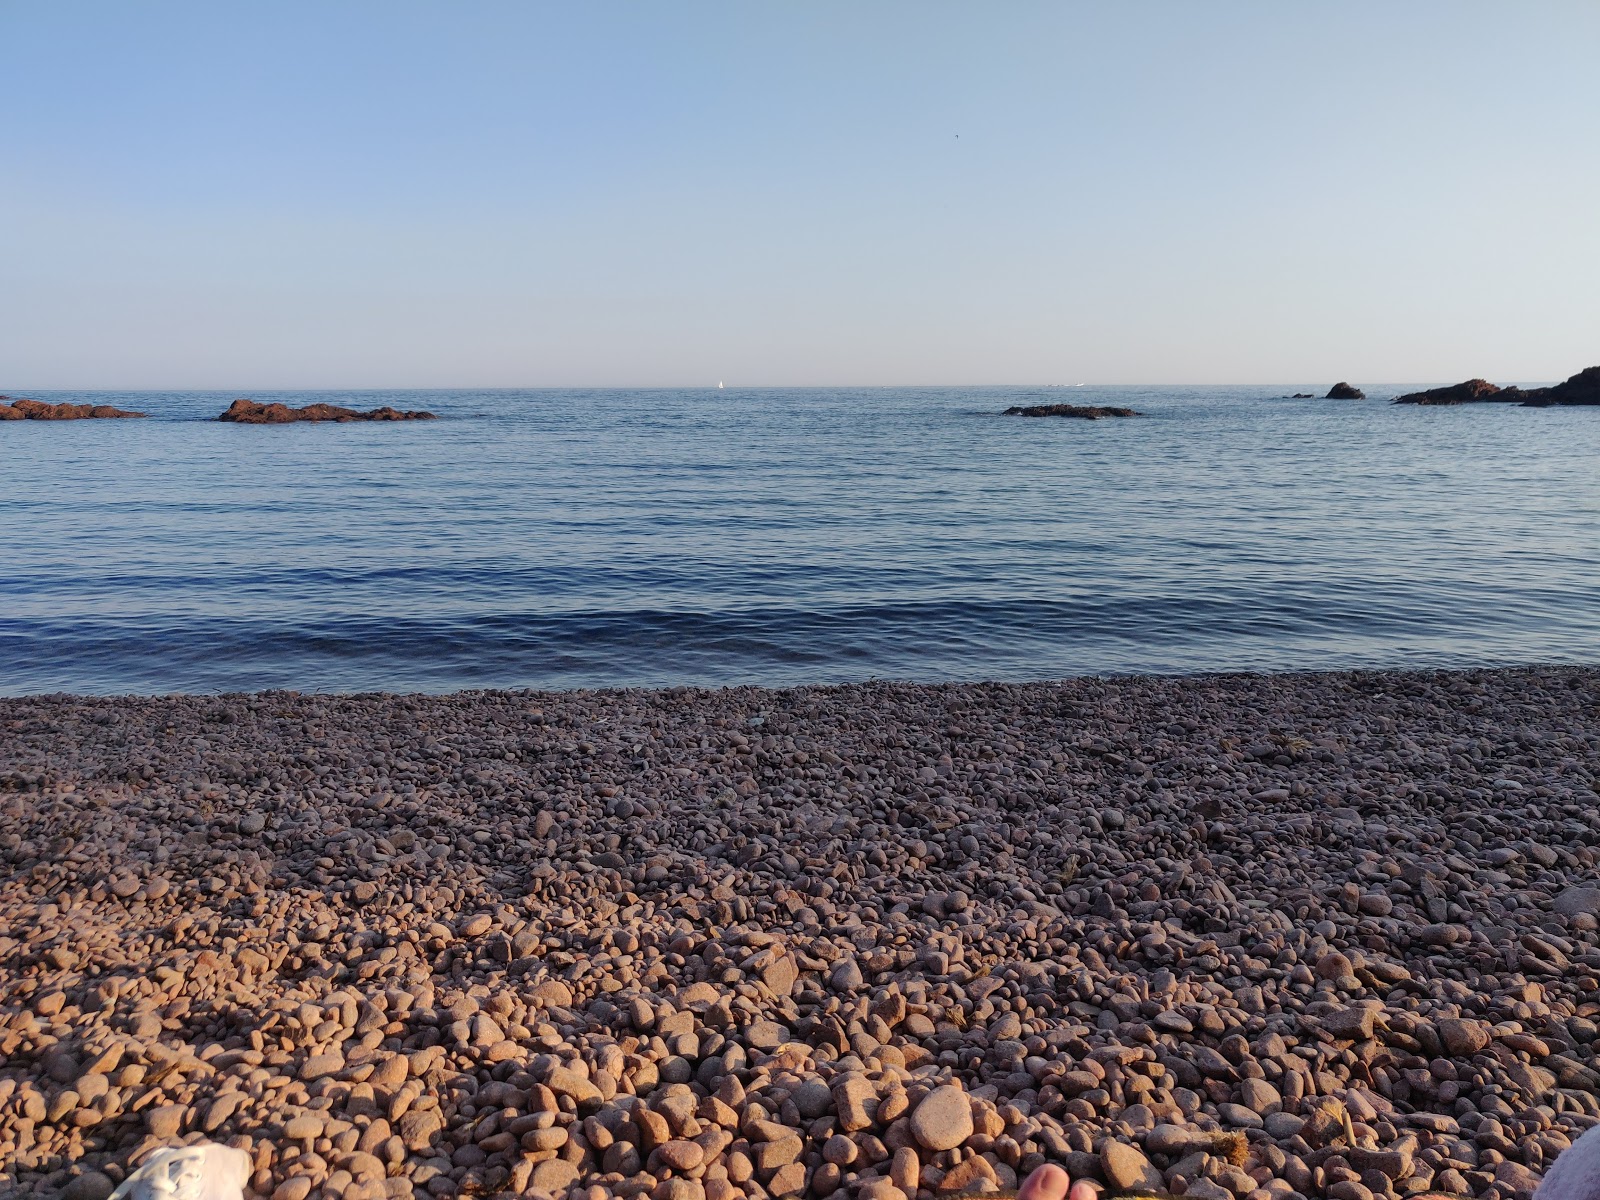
(389, 193)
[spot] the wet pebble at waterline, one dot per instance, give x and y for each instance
(1233, 937)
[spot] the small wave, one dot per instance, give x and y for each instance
(956, 640)
(789, 536)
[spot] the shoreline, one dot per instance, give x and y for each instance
(712, 690)
(880, 940)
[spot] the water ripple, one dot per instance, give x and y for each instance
(553, 538)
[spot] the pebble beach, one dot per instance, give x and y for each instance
(1264, 937)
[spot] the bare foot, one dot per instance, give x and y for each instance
(1050, 1182)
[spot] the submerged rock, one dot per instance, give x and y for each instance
(1087, 413)
(1343, 391)
(253, 412)
(38, 410)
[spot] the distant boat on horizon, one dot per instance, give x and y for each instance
(719, 384)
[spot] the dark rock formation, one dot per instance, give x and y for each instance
(252, 412)
(1067, 410)
(1473, 391)
(38, 410)
(1582, 388)
(1343, 391)
(1302, 396)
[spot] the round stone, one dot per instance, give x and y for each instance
(943, 1120)
(681, 1155)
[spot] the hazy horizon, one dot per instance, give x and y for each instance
(379, 196)
(246, 390)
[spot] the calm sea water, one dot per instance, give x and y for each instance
(596, 538)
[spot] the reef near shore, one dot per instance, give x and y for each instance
(253, 412)
(39, 410)
(1084, 412)
(1581, 389)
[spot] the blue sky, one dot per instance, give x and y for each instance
(200, 195)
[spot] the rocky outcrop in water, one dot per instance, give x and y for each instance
(1343, 391)
(1473, 391)
(253, 412)
(38, 410)
(1084, 412)
(1582, 388)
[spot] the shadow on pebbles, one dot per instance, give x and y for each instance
(1258, 937)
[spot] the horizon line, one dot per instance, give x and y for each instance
(19, 393)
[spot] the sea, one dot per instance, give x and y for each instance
(560, 539)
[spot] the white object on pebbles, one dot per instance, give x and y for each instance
(204, 1171)
(1576, 1174)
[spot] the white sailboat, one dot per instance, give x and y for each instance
(719, 385)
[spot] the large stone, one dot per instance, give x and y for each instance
(1238, 1116)
(1534, 1082)
(1395, 1164)
(476, 925)
(812, 1098)
(788, 1180)
(1462, 1037)
(906, 1170)
(943, 1120)
(1259, 1096)
(769, 1156)
(1353, 1024)
(90, 1186)
(555, 1176)
(1515, 1178)
(970, 1174)
(846, 977)
(1325, 1123)
(682, 1155)
(1172, 1140)
(780, 975)
(418, 1129)
(319, 1066)
(1127, 1169)
(1333, 965)
(765, 1035)
(851, 1093)
(552, 993)
(678, 1189)
(564, 1081)
(165, 1121)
